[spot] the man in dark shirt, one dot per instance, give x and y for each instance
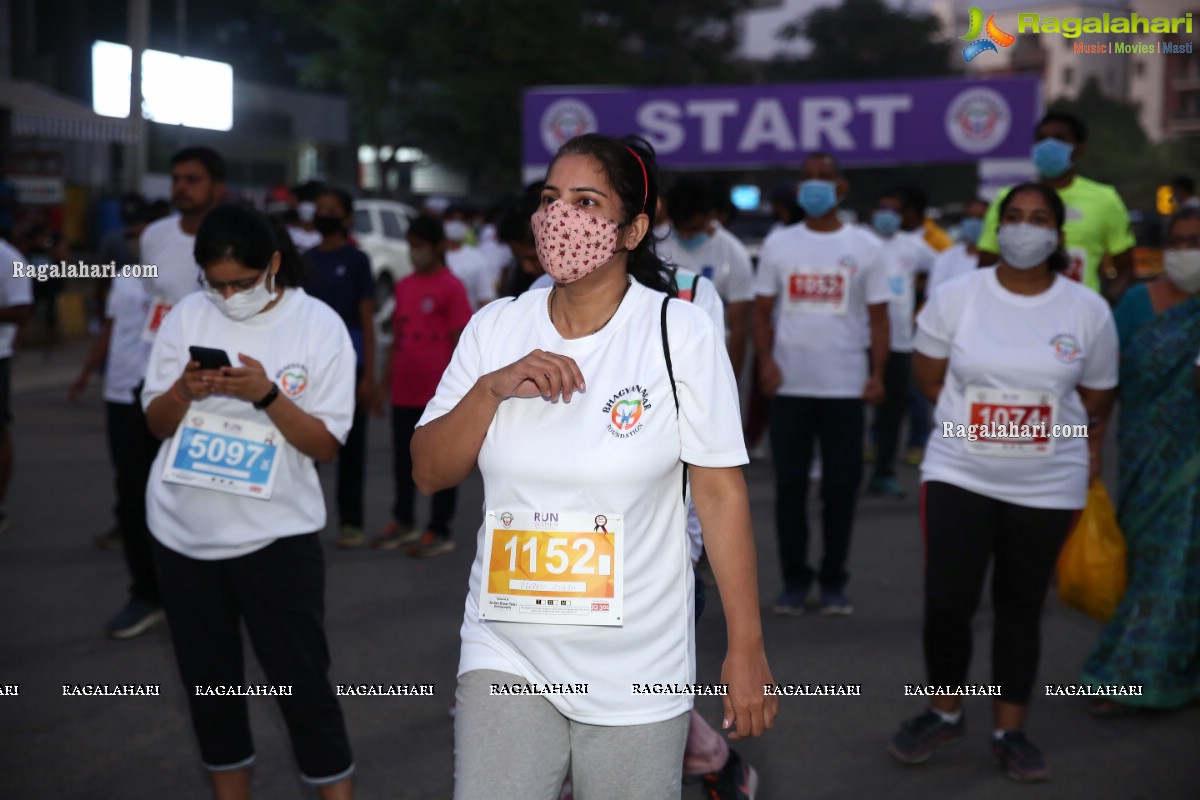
(340, 274)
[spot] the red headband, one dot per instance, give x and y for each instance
(645, 178)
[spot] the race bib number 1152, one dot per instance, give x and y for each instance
(552, 567)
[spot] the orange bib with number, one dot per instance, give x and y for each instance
(552, 567)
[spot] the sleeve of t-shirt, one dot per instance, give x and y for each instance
(1103, 353)
(333, 385)
(740, 282)
(926, 256)
(364, 283)
(1118, 234)
(109, 303)
(710, 420)
(484, 283)
(16, 291)
(706, 297)
(875, 279)
(465, 364)
(934, 334)
(168, 356)
(766, 280)
(458, 306)
(991, 226)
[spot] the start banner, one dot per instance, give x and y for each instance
(863, 123)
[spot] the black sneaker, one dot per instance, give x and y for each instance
(917, 737)
(134, 619)
(110, 539)
(1020, 758)
(737, 780)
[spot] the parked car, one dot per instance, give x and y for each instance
(380, 227)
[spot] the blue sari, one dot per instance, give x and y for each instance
(1154, 637)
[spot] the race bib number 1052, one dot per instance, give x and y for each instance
(824, 292)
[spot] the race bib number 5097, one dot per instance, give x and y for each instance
(211, 451)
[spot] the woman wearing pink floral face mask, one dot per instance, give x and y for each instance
(581, 405)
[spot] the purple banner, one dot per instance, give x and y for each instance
(863, 123)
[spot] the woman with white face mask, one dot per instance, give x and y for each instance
(233, 501)
(1154, 636)
(579, 404)
(1022, 364)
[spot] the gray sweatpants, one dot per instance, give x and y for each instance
(521, 748)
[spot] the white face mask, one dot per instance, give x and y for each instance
(243, 305)
(306, 211)
(1024, 246)
(1183, 269)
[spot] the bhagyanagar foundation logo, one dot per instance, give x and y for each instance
(625, 410)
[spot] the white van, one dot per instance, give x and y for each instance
(380, 227)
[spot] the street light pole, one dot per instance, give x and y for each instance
(139, 33)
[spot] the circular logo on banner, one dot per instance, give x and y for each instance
(978, 120)
(565, 119)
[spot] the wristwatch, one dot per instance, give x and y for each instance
(268, 398)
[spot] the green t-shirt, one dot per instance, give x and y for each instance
(1097, 225)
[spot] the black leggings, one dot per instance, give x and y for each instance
(279, 593)
(404, 422)
(963, 532)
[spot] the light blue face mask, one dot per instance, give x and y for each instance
(693, 242)
(885, 221)
(1052, 157)
(817, 198)
(970, 229)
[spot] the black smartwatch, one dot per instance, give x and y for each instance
(268, 398)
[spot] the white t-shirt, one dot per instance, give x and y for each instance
(701, 293)
(902, 261)
(128, 353)
(165, 244)
(949, 265)
(13, 292)
(823, 283)
(470, 267)
(543, 281)
(722, 259)
(302, 337)
(1053, 342)
(572, 457)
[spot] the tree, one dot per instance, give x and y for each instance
(1118, 151)
(862, 39)
(447, 76)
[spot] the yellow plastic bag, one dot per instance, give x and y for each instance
(1092, 572)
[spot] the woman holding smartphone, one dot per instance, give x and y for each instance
(234, 503)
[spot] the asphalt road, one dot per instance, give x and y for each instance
(392, 619)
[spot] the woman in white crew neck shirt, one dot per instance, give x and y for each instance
(234, 503)
(1007, 355)
(564, 398)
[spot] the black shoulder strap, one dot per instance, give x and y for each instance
(671, 374)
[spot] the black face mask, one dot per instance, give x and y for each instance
(327, 225)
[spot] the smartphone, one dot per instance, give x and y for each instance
(209, 357)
